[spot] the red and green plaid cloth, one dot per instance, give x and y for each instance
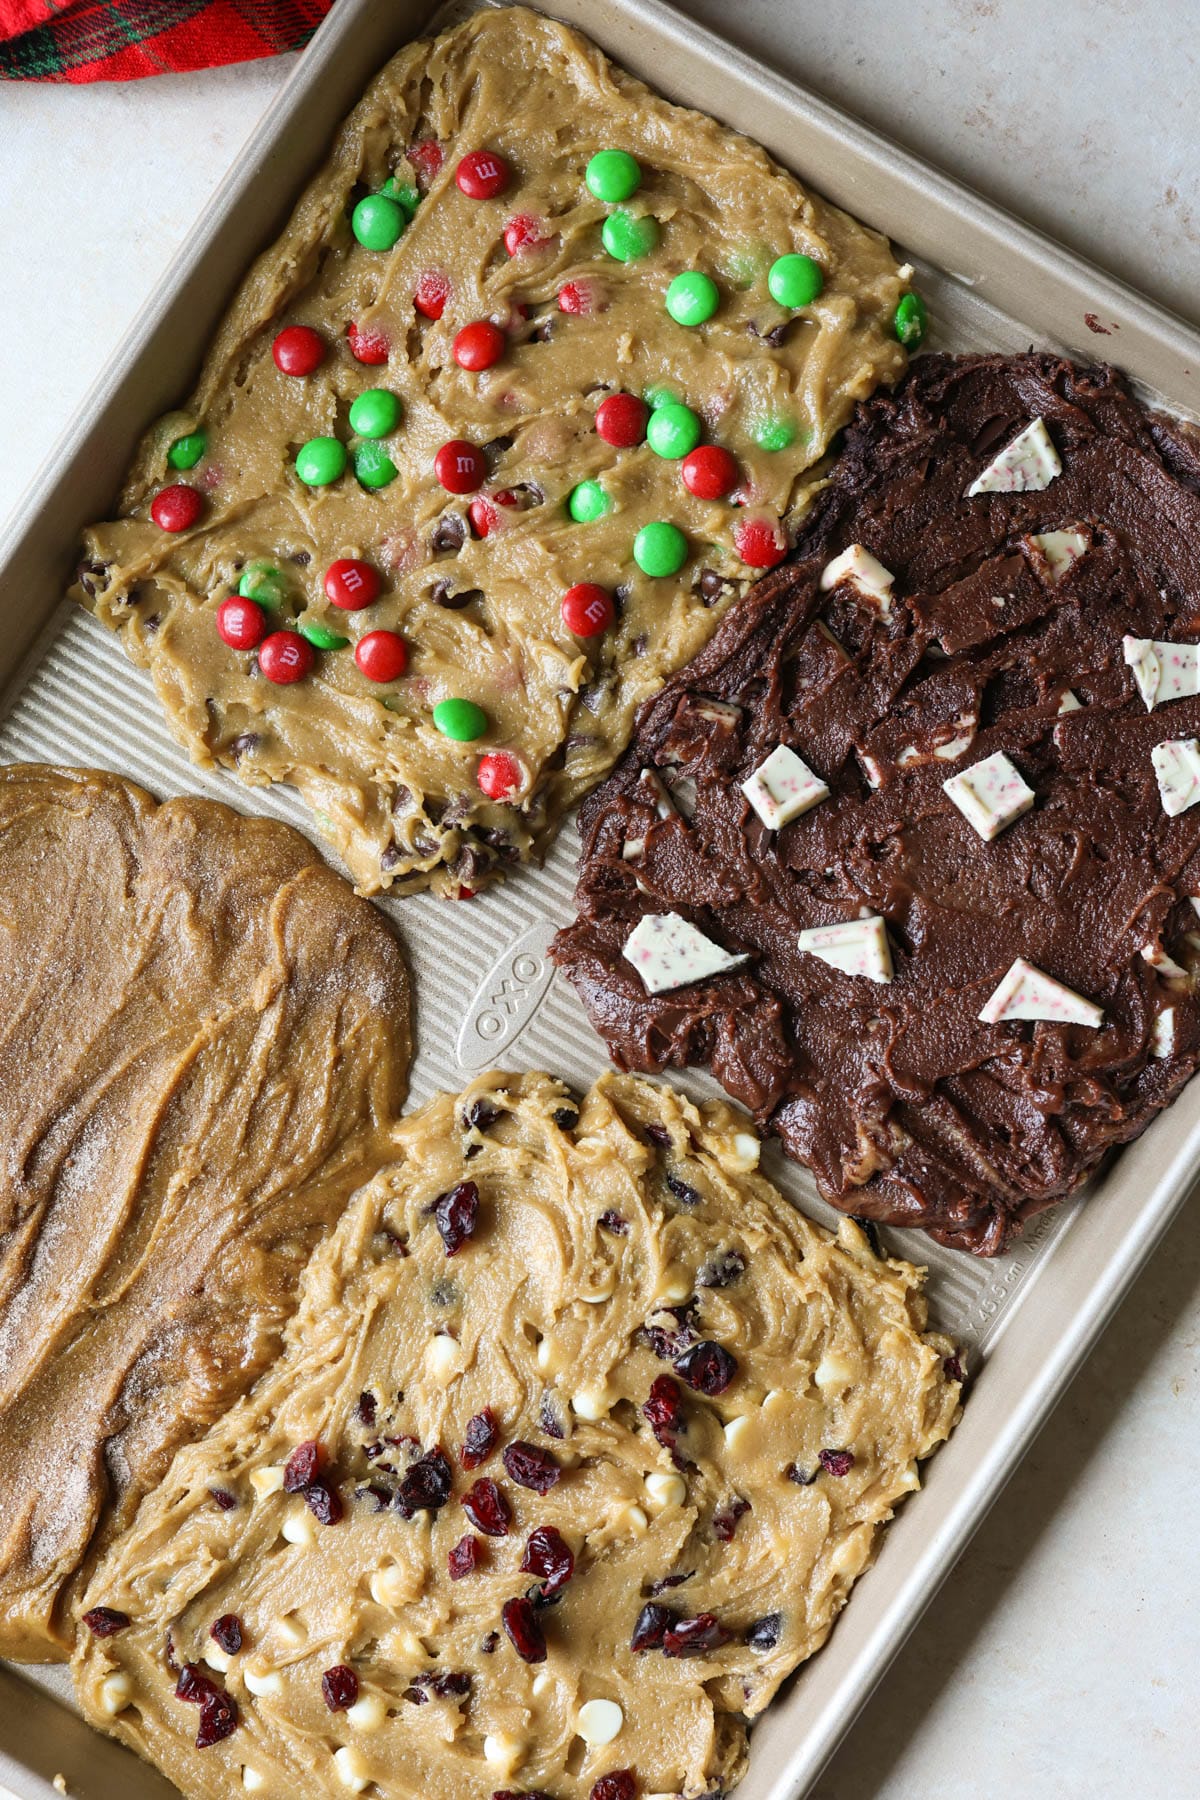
(118, 40)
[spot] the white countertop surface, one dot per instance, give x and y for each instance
(1061, 1656)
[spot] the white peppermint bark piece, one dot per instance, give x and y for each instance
(1163, 964)
(865, 572)
(1177, 769)
(1069, 703)
(857, 947)
(990, 795)
(668, 952)
(1026, 465)
(1163, 671)
(1027, 992)
(1061, 549)
(782, 787)
(1162, 1033)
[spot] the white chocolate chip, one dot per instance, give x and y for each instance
(502, 1750)
(990, 795)
(1163, 671)
(1177, 770)
(267, 1686)
(593, 1403)
(1026, 465)
(217, 1659)
(1061, 549)
(668, 952)
(543, 1681)
(833, 1372)
(599, 1721)
(267, 1480)
(299, 1527)
(745, 1152)
(116, 1691)
(676, 1286)
(782, 787)
(252, 1779)
(865, 573)
(632, 1519)
(737, 1429)
(389, 1586)
(665, 1489)
(856, 947)
(290, 1632)
(1027, 992)
(545, 1354)
(1162, 1033)
(352, 1769)
(367, 1714)
(443, 1359)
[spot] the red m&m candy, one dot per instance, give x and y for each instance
(576, 297)
(431, 293)
(587, 609)
(524, 232)
(241, 623)
(285, 657)
(483, 514)
(298, 350)
(479, 345)
(460, 467)
(498, 775)
(426, 158)
(759, 543)
(351, 584)
(621, 420)
(367, 346)
(176, 508)
(709, 472)
(482, 175)
(381, 655)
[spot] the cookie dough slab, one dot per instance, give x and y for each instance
(997, 654)
(205, 1035)
(712, 1402)
(481, 615)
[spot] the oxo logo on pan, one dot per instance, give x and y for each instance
(506, 999)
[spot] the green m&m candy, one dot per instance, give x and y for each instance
(692, 298)
(795, 280)
(660, 396)
(660, 548)
(320, 461)
(320, 636)
(378, 222)
(406, 198)
(263, 583)
(910, 320)
(613, 175)
(187, 450)
(774, 433)
(587, 502)
(673, 430)
(628, 236)
(373, 466)
(375, 413)
(461, 720)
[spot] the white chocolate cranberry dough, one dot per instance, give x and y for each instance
(203, 1040)
(580, 1438)
(473, 582)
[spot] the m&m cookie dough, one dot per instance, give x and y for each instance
(205, 1043)
(579, 1440)
(909, 857)
(532, 385)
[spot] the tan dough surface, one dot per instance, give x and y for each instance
(203, 1038)
(399, 801)
(546, 1316)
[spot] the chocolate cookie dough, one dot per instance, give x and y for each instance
(205, 1037)
(579, 1440)
(916, 833)
(521, 294)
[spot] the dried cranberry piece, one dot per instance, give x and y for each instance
(566, 1118)
(707, 1367)
(366, 1408)
(527, 1794)
(722, 1269)
(548, 1554)
(223, 1498)
(426, 1487)
(836, 1462)
(453, 1685)
(455, 1214)
(621, 1784)
(614, 1223)
(694, 1637)
(226, 1633)
(530, 1467)
(463, 1557)
(194, 1685)
(670, 1581)
(323, 1502)
(520, 1621)
(685, 1194)
(663, 1410)
(487, 1509)
(658, 1134)
(303, 1466)
(726, 1519)
(106, 1621)
(551, 1416)
(651, 1626)
(481, 1115)
(340, 1687)
(479, 1439)
(764, 1633)
(801, 1477)
(953, 1369)
(218, 1719)
(489, 1643)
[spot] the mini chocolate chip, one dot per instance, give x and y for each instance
(151, 625)
(244, 745)
(638, 646)
(566, 1118)
(302, 558)
(88, 576)
(870, 1231)
(801, 1477)
(389, 856)
(441, 596)
(495, 448)
(401, 798)
(450, 533)
(709, 585)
